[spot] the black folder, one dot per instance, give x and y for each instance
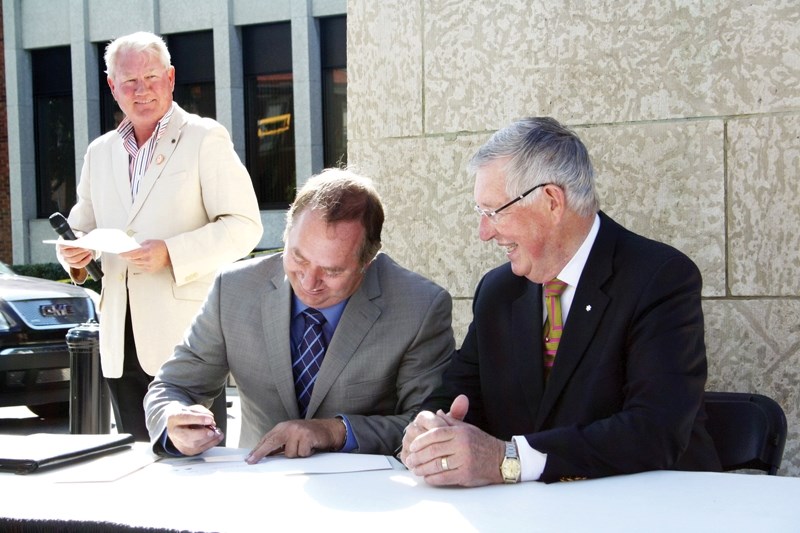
(29, 453)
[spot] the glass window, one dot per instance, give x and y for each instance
(269, 112)
(193, 59)
(53, 130)
(110, 113)
(333, 41)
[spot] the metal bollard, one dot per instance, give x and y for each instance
(89, 404)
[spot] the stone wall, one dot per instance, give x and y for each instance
(691, 111)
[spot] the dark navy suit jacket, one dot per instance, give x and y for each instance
(625, 394)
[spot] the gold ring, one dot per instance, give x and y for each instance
(444, 464)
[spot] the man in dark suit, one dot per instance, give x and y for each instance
(624, 391)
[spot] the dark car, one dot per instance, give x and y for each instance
(35, 316)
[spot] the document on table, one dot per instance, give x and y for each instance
(111, 240)
(321, 463)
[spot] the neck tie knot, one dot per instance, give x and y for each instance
(554, 287)
(313, 316)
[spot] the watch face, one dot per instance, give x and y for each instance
(510, 469)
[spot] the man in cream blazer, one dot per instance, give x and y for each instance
(172, 181)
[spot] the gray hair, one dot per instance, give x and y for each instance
(540, 150)
(141, 41)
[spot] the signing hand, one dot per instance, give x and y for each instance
(151, 256)
(448, 451)
(300, 438)
(192, 430)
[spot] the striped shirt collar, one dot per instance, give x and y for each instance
(139, 158)
(125, 129)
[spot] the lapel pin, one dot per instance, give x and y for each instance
(159, 159)
(588, 307)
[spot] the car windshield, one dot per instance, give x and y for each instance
(5, 269)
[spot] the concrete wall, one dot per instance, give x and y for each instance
(691, 111)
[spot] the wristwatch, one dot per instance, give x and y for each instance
(510, 468)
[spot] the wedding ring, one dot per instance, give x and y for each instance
(444, 464)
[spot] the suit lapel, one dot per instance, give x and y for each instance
(120, 172)
(526, 314)
(359, 316)
(276, 311)
(586, 312)
(164, 150)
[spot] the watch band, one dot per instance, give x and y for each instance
(510, 468)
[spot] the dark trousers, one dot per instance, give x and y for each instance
(127, 394)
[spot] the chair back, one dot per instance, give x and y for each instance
(748, 430)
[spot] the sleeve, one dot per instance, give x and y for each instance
(197, 371)
(234, 226)
(419, 373)
(462, 375)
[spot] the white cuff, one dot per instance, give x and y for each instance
(531, 461)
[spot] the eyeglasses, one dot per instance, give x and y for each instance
(492, 215)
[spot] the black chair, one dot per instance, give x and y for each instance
(749, 430)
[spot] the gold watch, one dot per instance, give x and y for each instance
(510, 468)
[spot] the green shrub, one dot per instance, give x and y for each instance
(52, 271)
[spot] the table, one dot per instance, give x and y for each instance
(237, 497)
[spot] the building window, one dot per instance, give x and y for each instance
(269, 112)
(333, 42)
(193, 59)
(110, 113)
(53, 130)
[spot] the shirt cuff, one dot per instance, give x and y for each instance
(350, 442)
(168, 447)
(531, 461)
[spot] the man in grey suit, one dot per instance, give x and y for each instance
(387, 330)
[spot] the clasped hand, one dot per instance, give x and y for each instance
(445, 450)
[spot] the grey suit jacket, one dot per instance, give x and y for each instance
(386, 355)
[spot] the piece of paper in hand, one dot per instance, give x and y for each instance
(108, 240)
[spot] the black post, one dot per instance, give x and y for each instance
(89, 404)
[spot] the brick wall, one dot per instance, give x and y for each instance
(5, 192)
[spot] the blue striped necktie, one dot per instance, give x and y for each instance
(309, 358)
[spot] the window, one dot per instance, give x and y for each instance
(110, 114)
(53, 130)
(333, 43)
(193, 59)
(269, 112)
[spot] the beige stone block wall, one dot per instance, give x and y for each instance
(691, 112)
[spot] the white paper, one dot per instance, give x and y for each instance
(110, 240)
(229, 459)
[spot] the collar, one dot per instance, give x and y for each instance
(571, 273)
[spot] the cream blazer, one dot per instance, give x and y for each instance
(197, 197)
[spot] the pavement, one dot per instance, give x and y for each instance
(21, 421)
